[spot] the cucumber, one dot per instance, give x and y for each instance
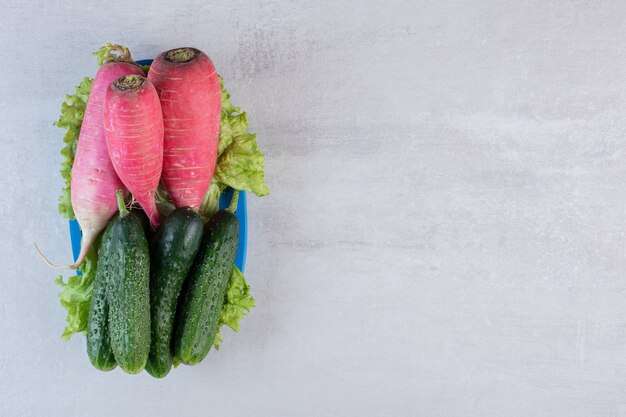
(128, 290)
(203, 294)
(172, 252)
(98, 343)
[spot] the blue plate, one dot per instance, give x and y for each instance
(241, 213)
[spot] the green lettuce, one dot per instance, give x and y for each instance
(75, 295)
(240, 165)
(240, 162)
(72, 111)
(237, 304)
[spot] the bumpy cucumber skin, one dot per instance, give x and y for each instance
(128, 293)
(98, 342)
(204, 290)
(172, 252)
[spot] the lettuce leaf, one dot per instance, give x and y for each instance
(240, 162)
(237, 304)
(210, 203)
(241, 165)
(75, 295)
(71, 119)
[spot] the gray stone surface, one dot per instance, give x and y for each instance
(445, 230)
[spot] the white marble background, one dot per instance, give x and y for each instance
(445, 230)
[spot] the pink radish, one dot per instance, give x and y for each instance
(190, 94)
(133, 125)
(94, 181)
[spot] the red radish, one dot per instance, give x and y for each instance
(190, 94)
(94, 181)
(133, 126)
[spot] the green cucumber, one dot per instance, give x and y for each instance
(172, 252)
(128, 290)
(203, 294)
(98, 343)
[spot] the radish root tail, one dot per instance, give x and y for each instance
(50, 264)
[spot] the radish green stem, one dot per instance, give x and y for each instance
(234, 201)
(121, 204)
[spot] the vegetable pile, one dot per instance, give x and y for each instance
(157, 278)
